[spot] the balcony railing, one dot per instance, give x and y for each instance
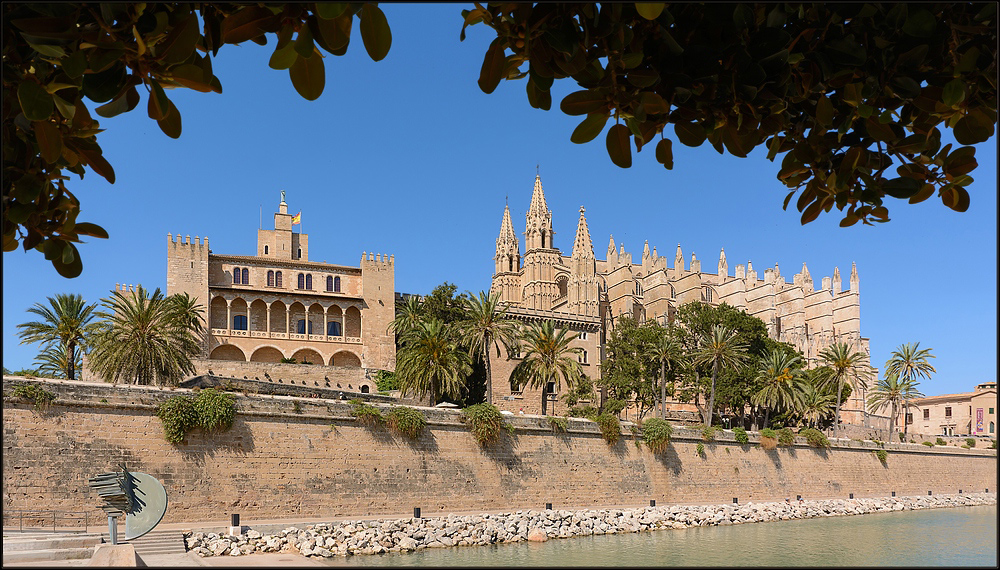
(289, 336)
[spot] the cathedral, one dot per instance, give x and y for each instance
(587, 295)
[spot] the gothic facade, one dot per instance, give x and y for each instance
(588, 294)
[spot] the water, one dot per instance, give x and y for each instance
(963, 536)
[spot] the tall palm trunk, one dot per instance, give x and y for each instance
(489, 375)
(711, 399)
(663, 390)
(906, 413)
(836, 414)
(767, 417)
(71, 357)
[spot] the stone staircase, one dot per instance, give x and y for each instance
(29, 547)
(155, 542)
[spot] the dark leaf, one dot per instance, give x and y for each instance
(71, 269)
(303, 44)
(330, 10)
(584, 103)
(824, 111)
(690, 134)
(283, 58)
(493, 64)
(375, 32)
(953, 93)
(181, 42)
(101, 87)
(36, 103)
(812, 212)
(649, 10)
(881, 132)
(903, 187)
(653, 103)
(49, 140)
(665, 153)
(96, 162)
(962, 161)
(122, 104)
(308, 77)
(89, 229)
(619, 145)
(920, 24)
(973, 128)
(925, 192)
(248, 23)
(158, 104)
(336, 33)
(538, 98)
(193, 77)
(171, 123)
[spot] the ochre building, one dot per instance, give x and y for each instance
(587, 295)
(970, 413)
(278, 305)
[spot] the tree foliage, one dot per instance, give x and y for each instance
(65, 329)
(632, 364)
(485, 326)
(431, 363)
(547, 357)
(852, 96)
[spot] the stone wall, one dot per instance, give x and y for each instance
(311, 460)
(348, 377)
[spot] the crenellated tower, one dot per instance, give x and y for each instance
(582, 290)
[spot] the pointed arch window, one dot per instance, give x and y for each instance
(277, 279)
(309, 282)
(302, 281)
(246, 276)
(708, 294)
(336, 284)
(236, 275)
(329, 283)
(270, 278)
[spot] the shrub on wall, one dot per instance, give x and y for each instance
(768, 438)
(178, 416)
(970, 441)
(486, 422)
(928, 443)
(993, 444)
(940, 441)
(366, 414)
(583, 411)
(611, 428)
(614, 407)
(708, 433)
(815, 437)
(216, 410)
(882, 455)
(700, 450)
(558, 424)
(741, 435)
(786, 436)
(405, 421)
(37, 395)
(656, 432)
(902, 437)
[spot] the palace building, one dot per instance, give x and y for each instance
(587, 295)
(278, 305)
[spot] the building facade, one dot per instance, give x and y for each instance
(279, 305)
(967, 414)
(588, 294)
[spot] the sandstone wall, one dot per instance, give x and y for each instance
(313, 461)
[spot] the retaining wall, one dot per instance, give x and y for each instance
(314, 461)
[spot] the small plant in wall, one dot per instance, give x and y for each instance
(882, 455)
(177, 416)
(558, 424)
(405, 421)
(768, 438)
(656, 432)
(970, 441)
(40, 397)
(611, 428)
(940, 441)
(815, 437)
(786, 436)
(708, 433)
(741, 435)
(485, 422)
(700, 450)
(928, 443)
(210, 410)
(365, 413)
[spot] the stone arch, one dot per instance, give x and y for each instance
(296, 313)
(238, 308)
(335, 315)
(228, 352)
(266, 354)
(352, 322)
(562, 282)
(345, 358)
(218, 313)
(258, 315)
(365, 389)
(316, 318)
(307, 355)
(278, 310)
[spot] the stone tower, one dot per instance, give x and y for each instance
(582, 287)
(507, 262)
(540, 258)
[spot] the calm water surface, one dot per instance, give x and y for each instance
(964, 536)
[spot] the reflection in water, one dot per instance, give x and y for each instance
(964, 536)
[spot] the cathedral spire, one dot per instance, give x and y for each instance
(611, 247)
(538, 205)
(581, 244)
(538, 221)
(508, 254)
(723, 264)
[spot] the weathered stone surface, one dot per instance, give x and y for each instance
(537, 535)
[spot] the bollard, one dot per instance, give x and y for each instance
(928, 493)
(235, 519)
(959, 491)
(736, 501)
(548, 506)
(113, 529)
(798, 497)
(852, 495)
(893, 493)
(416, 512)
(652, 502)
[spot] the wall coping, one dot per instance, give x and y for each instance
(76, 393)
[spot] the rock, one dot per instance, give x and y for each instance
(537, 535)
(322, 552)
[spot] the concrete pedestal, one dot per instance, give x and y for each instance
(116, 555)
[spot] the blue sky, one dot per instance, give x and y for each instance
(408, 157)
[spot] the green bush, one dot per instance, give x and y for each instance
(708, 433)
(614, 406)
(583, 411)
(928, 443)
(700, 450)
(786, 436)
(656, 432)
(386, 381)
(940, 441)
(815, 437)
(882, 455)
(178, 416)
(558, 424)
(365, 413)
(37, 395)
(741, 435)
(288, 361)
(405, 421)
(768, 438)
(970, 441)
(485, 422)
(611, 428)
(216, 410)
(768, 432)
(965, 446)
(902, 437)
(993, 444)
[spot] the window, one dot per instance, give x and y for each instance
(991, 410)
(991, 427)
(265, 250)
(583, 357)
(301, 326)
(583, 336)
(329, 283)
(365, 389)
(277, 279)
(309, 282)
(333, 328)
(302, 281)
(240, 322)
(927, 414)
(270, 278)
(236, 275)
(672, 292)
(300, 253)
(947, 411)
(909, 418)
(246, 276)
(336, 288)
(708, 294)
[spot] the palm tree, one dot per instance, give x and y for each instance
(814, 405)
(485, 324)
(408, 316)
(844, 367)
(720, 348)
(782, 382)
(909, 362)
(431, 362)
(668, 352)
(892, 391)
(145, 338)
(54, 361)
(547, 357)
(68, 322)
(189, 312)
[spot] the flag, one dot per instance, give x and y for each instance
(297, 218)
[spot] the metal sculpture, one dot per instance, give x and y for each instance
(138, 496)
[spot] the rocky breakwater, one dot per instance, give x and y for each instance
(404, 535)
